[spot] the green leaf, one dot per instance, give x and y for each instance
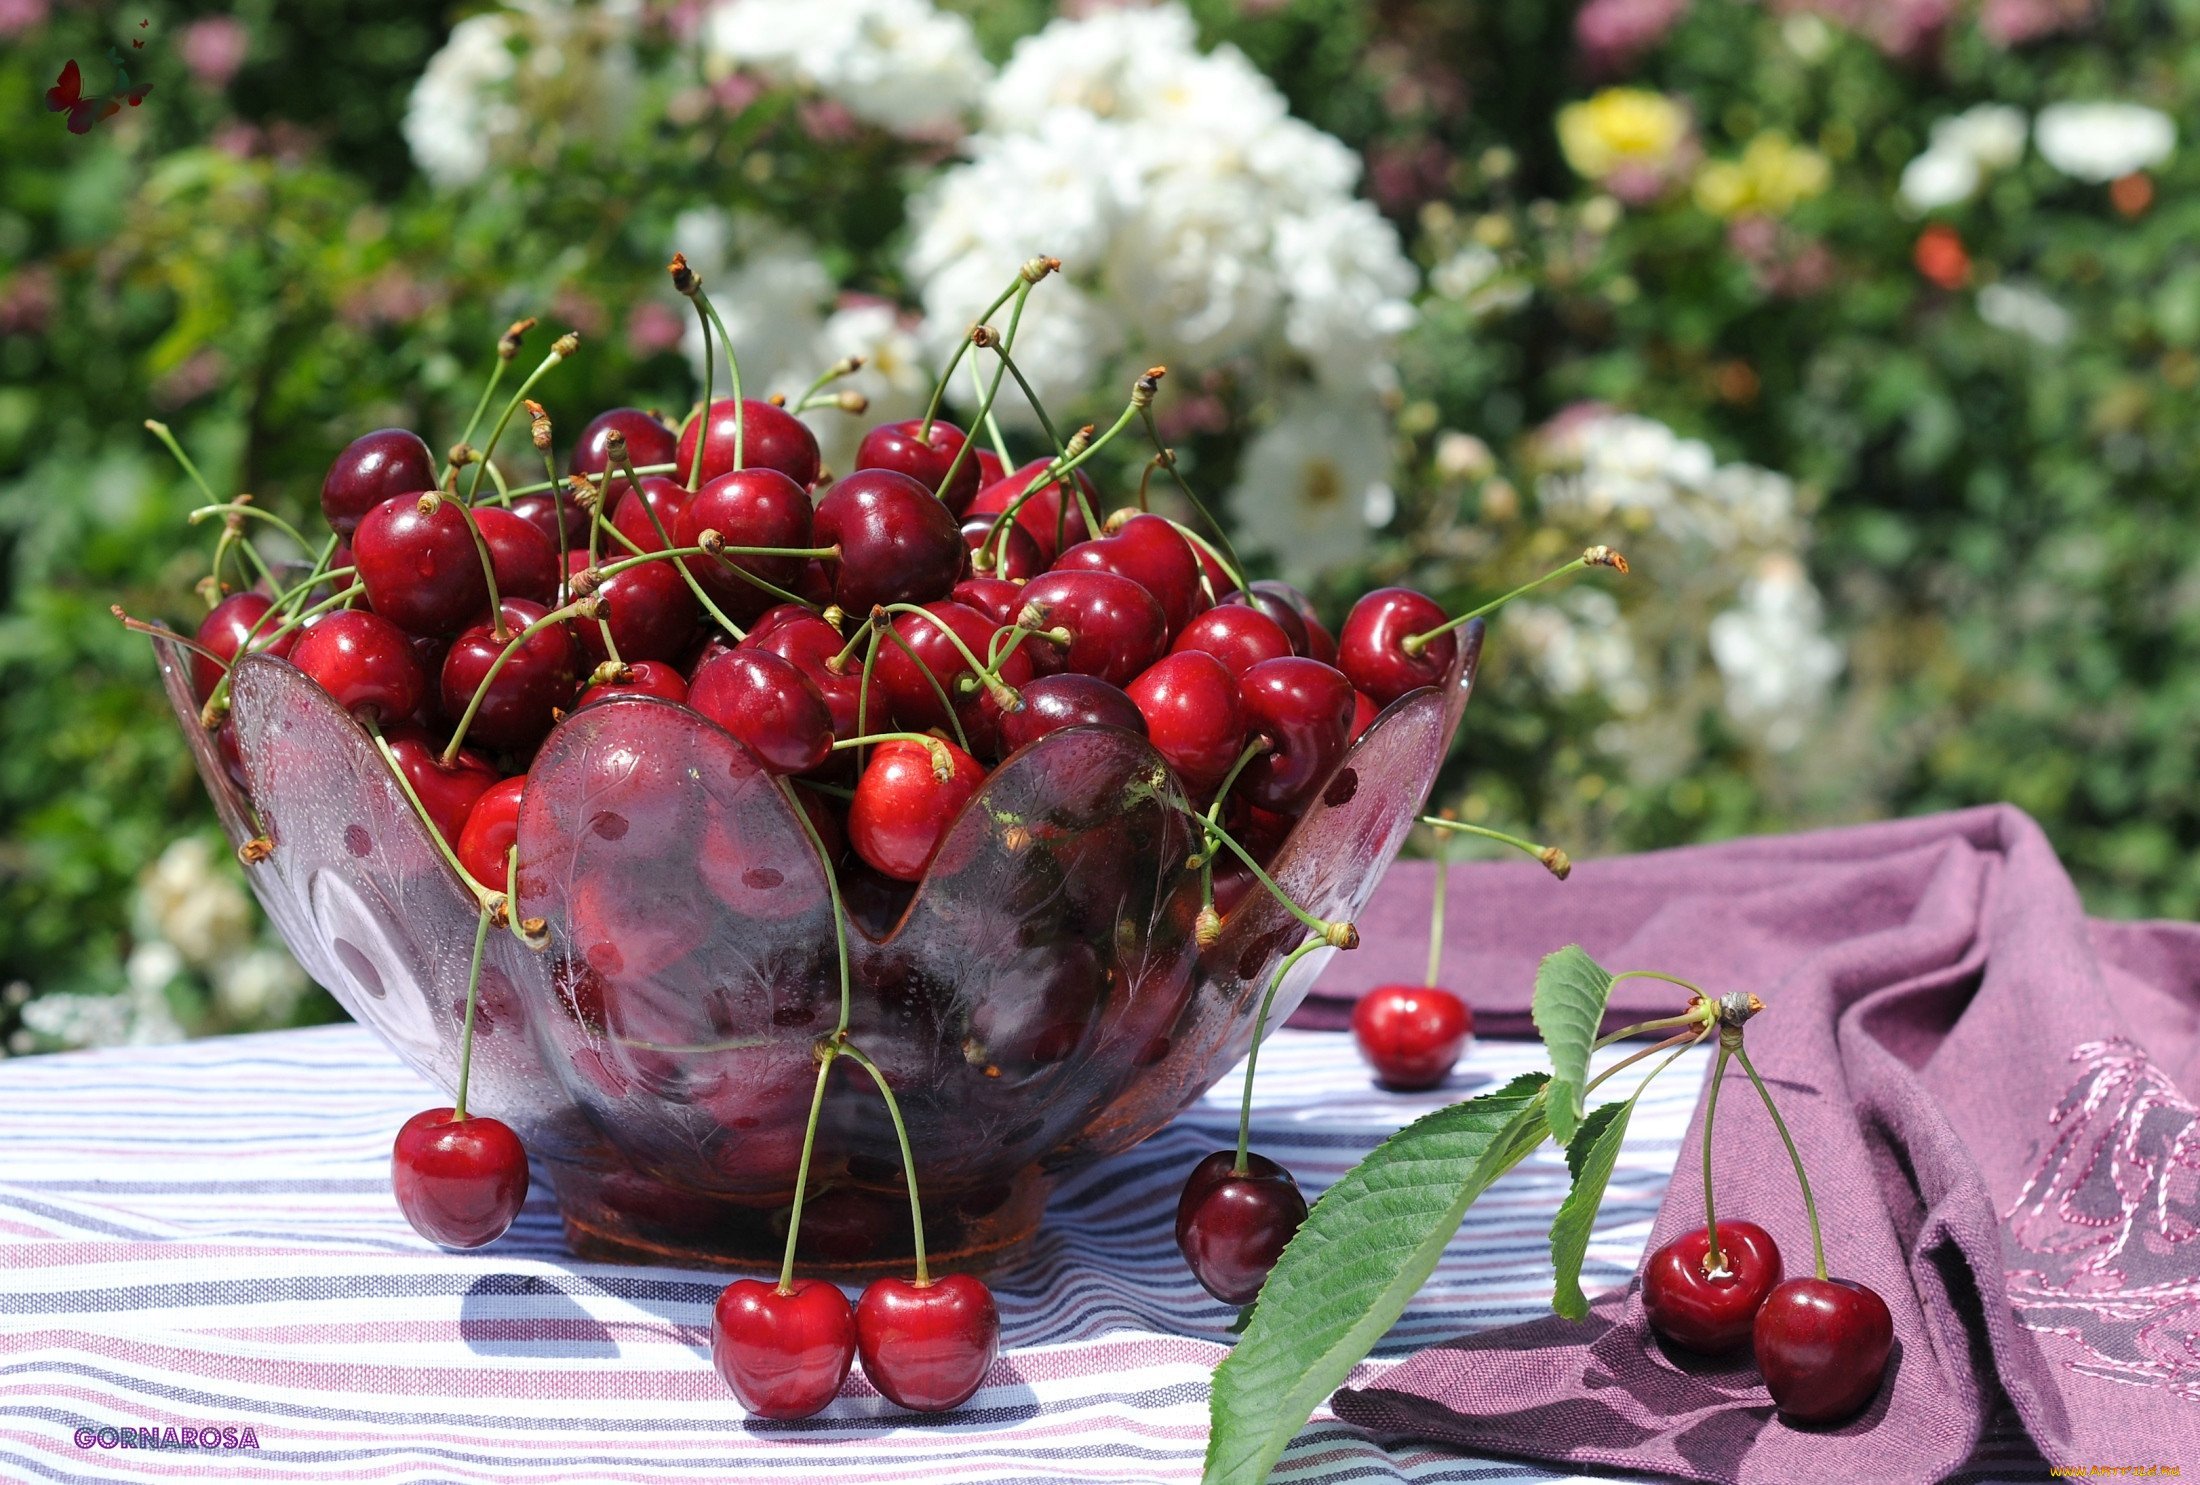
(1570, 991)
(1364, 1251)
(1590, 1156)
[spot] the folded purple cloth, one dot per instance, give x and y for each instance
(1990, 1094)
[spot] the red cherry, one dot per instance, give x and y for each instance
(1038, 514)
(911, 698)
(1151, 553)
(1320, 644)
(1013, 555)
(1822, 1345)
(647, 442)
(421, 568)
(897, 544)
(1053, 702)
(772, 438)
(908, 448)
(1231, 1228)
(996, 598)
(650, 610)
(990, 468)
(903, 809)
(1686, 1305)
(447, 793)
(524, 558)
(523, 698)
(1305, 709)
(783, 1354)
(799, 635)
(1371, 649)
(749, 508)
(1115, 628)
(223, 631)
(1236, 634)
(373, 468)
(643, 678)
(815, 586)
(630, 517)
(1364, 711)
(459, 1182)
(769, 705)
(364, 661)
(1190, 703)
(492, 826)
(551, 509)
(927, 1346)
(1411, 1034)
(1282, 614)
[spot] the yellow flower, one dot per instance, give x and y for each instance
(1773, 174)
(1620, 127)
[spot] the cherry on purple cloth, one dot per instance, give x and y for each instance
(1995, 1097)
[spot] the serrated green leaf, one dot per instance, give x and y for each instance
(1590, 1156)
(1362, 1254)
(1570, 992)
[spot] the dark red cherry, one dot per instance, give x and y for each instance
(1411, 1035)
(996, 598)
(642, 678)
(631, 516)
(1012, 554)
(1320, 644)
(925, 455)
(749, 508)
(1115, 628)
(1304, 708)
(927, 1346)
(373, 468)
(652, 614)
(647, 442)
(448, 792)
(549, 509)
(1701, 1311)
(459, 1182)
(1231, 1227)
(1190, 703)
(773, 438)
(1053, 702)
(815, 586)
(897, 544)
(1039, 514)
(812, 644)
(990, 468)
(914, 679)
(524, 695)
(364, 661)
(784, 1354)
(767, 703)
(1282, 614)
(524, 559)
(492, 826)
(1371, 647)
(1238, 635)
(903, 809)
(1151, 553)
(421, 568)
(223, 631)
(1364, 711)
(1822, 1345)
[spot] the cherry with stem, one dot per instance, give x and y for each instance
(564, 346)
(1596, 556)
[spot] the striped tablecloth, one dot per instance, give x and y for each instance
(203, 1235)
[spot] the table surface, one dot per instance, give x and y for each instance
(204, 1234)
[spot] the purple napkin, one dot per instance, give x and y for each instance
(1989, 1093)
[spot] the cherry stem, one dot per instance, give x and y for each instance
(1022, 285)
(162, 631)
(1228, 563)
(832, 889)
(482, 895)
(1338, 935)
(863, 689)
(1058, 472)
(244, 507)
(985, 418)
(579, 608)
(160, 431)
(1254, 747)
(962, 739)
(733, 374)
(497, 630)
(999, 689)
(845, 366)
(657, 523)
(986, 394)
(530, 937)
(1436, 907)
(1599, 556)
(809, 1142)
(554, 483)
(908, 1160)
(466, 1034)
(1714, 1260)
(1260, 1034)
(1221, 548)
(942, 765)
(1810, 1205)
(1700, 1016)
(489, 390)
(217, 700)
(1682, 1039)
(1554, 858)
(504, 419)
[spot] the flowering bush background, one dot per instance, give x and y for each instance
(1870, 329)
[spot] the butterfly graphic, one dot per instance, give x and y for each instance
(67, 96)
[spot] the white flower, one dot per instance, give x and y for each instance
(520, 78)
(2026, 311)
(1989, 135)
(896, 377)
(1640, 474)
(187, 898)
(1315, 481)
(136, 1016)
(1773, 653)
(2101, 142)
(901, 64)
(1581, 645)
(1347, 288)
(772, 290)
(1938, 178)
(260, 984)
(456, 107)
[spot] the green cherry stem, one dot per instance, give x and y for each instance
(962, 739)
(529, 932)
(1436, 907)
(1682, 1039)
(1714, 1261)
(986, 419)
(1260, 1034)
(565, 345)
(243, 506)
(482, 895)
(507, 349)
(1597, 556)
(908, 1161)
(1810, 1204)
(1220, 548)
(466, 1034)
(1030, 273)
(998, 689)
(1337, 935)
(544, 487)
(1253, 748)
(160, 431)
(616, 445)
(825, 1058)
(986, 393)
(588, 606)
(1554, 858)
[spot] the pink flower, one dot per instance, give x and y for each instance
(28, 301)
(1909, 29)
(18, 16)
(827, 121)
(1612, 34)
(214, 48)
(2008, 23)
(652, 328)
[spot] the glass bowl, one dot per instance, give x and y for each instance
(1038, 1004)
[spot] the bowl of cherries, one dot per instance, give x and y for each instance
(803, 871)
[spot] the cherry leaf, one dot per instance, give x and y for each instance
(1570, 991)
(1590, 1155)
(1362, 1254)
